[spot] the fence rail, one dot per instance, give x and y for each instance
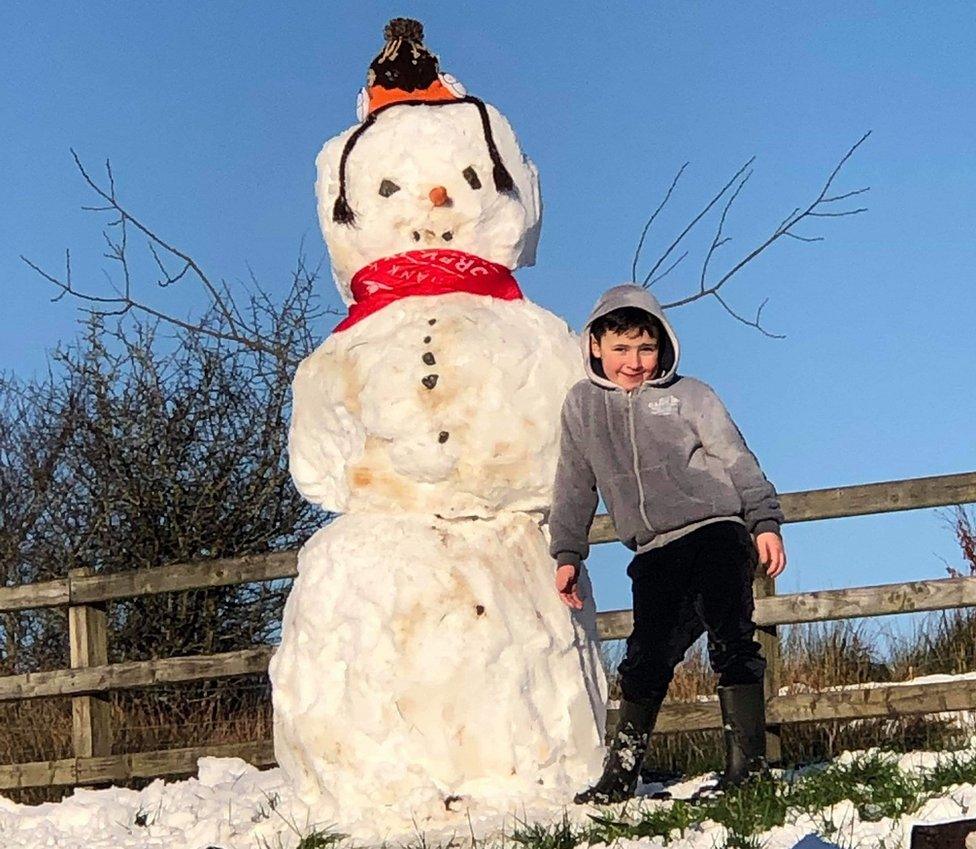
(92, 678)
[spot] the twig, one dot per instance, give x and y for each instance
(650, 221)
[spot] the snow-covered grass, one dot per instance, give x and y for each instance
(862, 800)
(867, 799)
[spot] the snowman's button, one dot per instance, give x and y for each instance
(430, 381)
(432, 321)
(426, 339)
(428, 358)
(479, 609)
(442, 437)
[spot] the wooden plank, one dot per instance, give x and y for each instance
(169, 762)
(682, 716)
(134, 674)
(91, 733)
(860, 500)
(611, 624)
(827, 605)
(764, 588)
(857, 602)
(887, 700)
(30, 596)
(912, 494)
(58, 773)
(886, 497)
(123, 767)
(185, 576)
(881, 701)
(184, 761)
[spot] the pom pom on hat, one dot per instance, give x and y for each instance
(404, 69)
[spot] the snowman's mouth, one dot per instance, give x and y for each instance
(431, 236)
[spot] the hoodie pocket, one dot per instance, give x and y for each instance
(623, 503)
(672, 503)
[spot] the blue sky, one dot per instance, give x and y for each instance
(212, 114)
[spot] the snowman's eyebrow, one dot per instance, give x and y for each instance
(471, 176)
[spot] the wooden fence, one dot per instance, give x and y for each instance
(91, 678)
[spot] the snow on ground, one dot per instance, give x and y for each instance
(232, 805)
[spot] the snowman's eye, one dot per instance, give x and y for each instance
(471, 176)
(387, 188)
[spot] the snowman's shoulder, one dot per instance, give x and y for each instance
(335, 347)
(542, 314)
(324, 370)
(580, 393)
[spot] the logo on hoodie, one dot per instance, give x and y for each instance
(666, 406)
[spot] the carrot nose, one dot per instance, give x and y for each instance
(438, 196)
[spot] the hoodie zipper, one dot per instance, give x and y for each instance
(633, 445)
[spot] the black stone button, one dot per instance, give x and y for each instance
(430, 381)
(432, 321)
(479, 609)
(428, 358)
(442, 437)
(426, 339)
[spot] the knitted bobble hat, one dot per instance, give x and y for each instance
(406, 73)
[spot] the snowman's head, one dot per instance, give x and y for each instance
(427, 175)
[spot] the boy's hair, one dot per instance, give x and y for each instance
(628, 321)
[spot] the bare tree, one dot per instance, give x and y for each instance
(139, 450)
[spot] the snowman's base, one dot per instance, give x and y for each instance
(424, 660)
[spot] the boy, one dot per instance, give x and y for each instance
(685, 493)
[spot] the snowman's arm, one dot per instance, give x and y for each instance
(325, 435)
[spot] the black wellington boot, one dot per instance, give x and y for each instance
(744, 724)
(625, 755)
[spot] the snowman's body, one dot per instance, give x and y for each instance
(425, 653)
(478, 437)
(430, 659)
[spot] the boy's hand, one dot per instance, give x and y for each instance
(567, 585)
(772, 555)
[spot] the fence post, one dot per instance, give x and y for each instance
(91, 733)
(763, 587)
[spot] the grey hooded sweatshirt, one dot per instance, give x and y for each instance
(666, 457)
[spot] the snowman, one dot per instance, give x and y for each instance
(426, 661)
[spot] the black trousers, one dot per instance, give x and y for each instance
(700, 582)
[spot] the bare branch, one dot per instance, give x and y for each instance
(149, 234)
(695, 220)
(667, 271)
(847, 195)
(785, 227)
(260, 325)
(650, 221)
(718, 241)
(756, 323)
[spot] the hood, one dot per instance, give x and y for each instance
(631, 295)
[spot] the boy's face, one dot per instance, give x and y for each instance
(628, 358)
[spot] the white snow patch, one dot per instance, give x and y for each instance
(232, 805)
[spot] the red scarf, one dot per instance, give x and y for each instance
(430, 272)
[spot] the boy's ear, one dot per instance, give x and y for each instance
(594, 347)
